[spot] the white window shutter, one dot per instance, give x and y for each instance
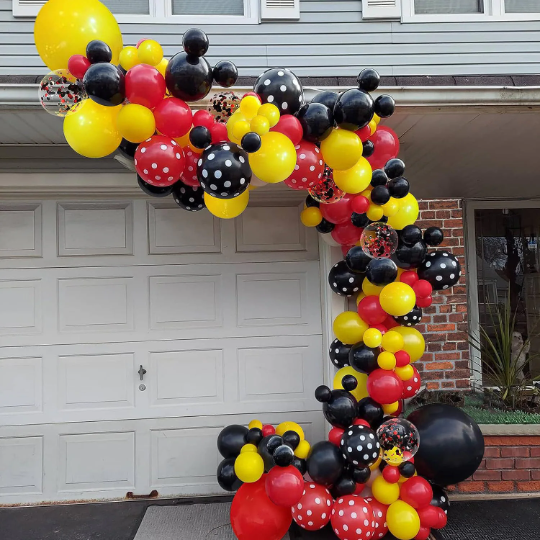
(280, 9)
(27, 8)
(381, 9)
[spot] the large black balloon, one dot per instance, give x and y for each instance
(281, 87)
(360, 446)
(363, 358)
(412, 318)
(339, 353)
(223, 170)
(370, 411)
(451, 444)
(188, 77)
(105, 84)
(344, 281)
(225, 73)
(195, 42)
(317, 121)
(226, 476)
(325, 463)
(327, 98)
(381, 271)
(266, 450)
(154, 191)
(230, 440)
(357, 260)
(407, 256)
(339, 406)
(189, 198)
(441, 269)
(98, 51)
(354, 109)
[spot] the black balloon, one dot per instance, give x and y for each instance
(441, 269)
(368, 80)
(226, 476)
(360, 446)
(381, 271)
(412, 318)
(394, 168)
(310, 201)
(343, 280)
(283, 456)
(154, 191)
(379, 178)
(98, 51)
(266, 450)
(224, 170)
(407, 469)
(384, 106)
(369, 148)
(281, 87)
(359, 220)
(317, 121)
(451, 447)
(339, 406)
(370, 411)
(440, 498)
(433, 236)
(325, 227)
(200, 137)
(410, 235)
(128, 149)
(362, 475)
(254, 436)
(399, 187)
(300, 464)
(363, 358)
(357, 260)
(230, 440)
(189, 198)
(380, 195)
(291, 439)
(325, 463)
(195, 42)
(105, 84)
(251, 142)
(327, 98)
(339, 353)
(353, 110)
(407, 256)
(188, 77)
(345, 485)
(225, 73)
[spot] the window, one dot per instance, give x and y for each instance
(431, 7)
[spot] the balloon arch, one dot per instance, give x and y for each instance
(378, 472)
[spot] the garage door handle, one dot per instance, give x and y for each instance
(141, 372)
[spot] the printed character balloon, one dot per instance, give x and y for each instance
(379, 240)
(60, 93)
(399, 440)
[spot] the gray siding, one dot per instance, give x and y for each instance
(329, 40)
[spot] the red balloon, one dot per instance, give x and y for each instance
(160, 161)
(189, 176)
(78, 64)
(203, 118)
(314, 509)
(254, 94)
(173, 117)
(359, 488)
(268, 430)
(338, 212)
(335, 435)
(370, 310)
(145, 86)
(360, 204)
(309, 166)
(429, 516)
(141, 41)
(353, 518)
(402, 358)
(409, 277)
(290, 126)
(219, 132)
(416, 491)
(284, 485)
(254, 515)
(360, 422)
(399, 410)
(379, 514)
(423, 533)
(422, 288)
(364, 133)
(380, 327)
(390, 322)
(391, 474)
(386, 144)
(443, 519)
(412, 386)
(346, 234)
(384, 386)
(424, 302)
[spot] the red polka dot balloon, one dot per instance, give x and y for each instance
(309, 166)
(352, 518)
(189, 177)
(379, 515)
(411, 387)
(314, 509)
(160, 161)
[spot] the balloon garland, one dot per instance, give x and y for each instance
(377, 472)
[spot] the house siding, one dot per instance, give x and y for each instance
(330, 39)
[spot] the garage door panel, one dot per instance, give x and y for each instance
(22, 466)
(21, 385)
(20, 306)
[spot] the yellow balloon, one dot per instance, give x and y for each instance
(136, 123)
(248, 448)
(150, 52)
(349, 328)
(369, 289)
(355, 179)
(275, 160)
(372, 127)
(185, 142)
(405, 373)
(64, 28)
(376, 118)
(255, 424)
(375, 212)
(302, 450)
(129, 57)
(240, 129)
(260, 125)
(386, 360)
(403, 521)
(271, 112)
(92, 130)
(360, 391)
(249, 467)
(392, 341)
(162, 66)
(415, 344)
(231, 123)
(311, 216)
(227, 208)
(383, 491)
(377, 463)
(391, 208)
(290, 426)
(249, 106)
(360, 297)
(397, 299)
(342, 149)
(407, 214)
(391, 408)
(372, 337)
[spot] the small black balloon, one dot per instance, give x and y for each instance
(283, 456)
(325, 227)
(433, 236)
(440, 498)
(353, 110)
(310, 201)
(292, 439)
(343, 281)
(251, 142)
(369, 148)
(323, 394)
(407, 256)
(380, 195)
(381, 271)
(98, 51)
(339, 353)
(384, 106)
(189, 198)
(410, 234)
(316, 120)
(105, 84)
(339, 406)
(361, 476)
(412, 318)
(349, 383)
(327, 98)
(398, 187)
(343, 486)
(357, 260)
(254, 436)
(195, 42)
(226, 476)
(230, 440)
(281, 87)
(325, 463)
(359, 220)
(188, 77)
(441, 269)
(360, 446)
(363, 358)
(200, 137)
(128, 149)
(266, 449)
(300, 464)
(394, 168)
(407, 469)
(368, 80)
(154, 191)
(370, 411)
(225, 73)
(379, 178)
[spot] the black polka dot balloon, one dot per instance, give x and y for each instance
(282, 88)
(343, 281)
(441, 269)
(412, 318)
(189, 198)
(223, 170)
(360, 446)
(440, 498)
(339, 353)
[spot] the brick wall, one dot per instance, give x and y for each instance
(445, 365)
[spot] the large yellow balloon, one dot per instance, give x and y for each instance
(415, 344)
(227, 208)
(403, 521)
(136, 123)
(360, 391)
(92, 130)
(275, 160)
(65, 27)
(349, 328)
(342, 149)
(249, 467)
(397, 299)
(355, 179)
(407, 213)
(385, 492)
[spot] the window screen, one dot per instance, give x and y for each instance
(522, 6)
(437, 7)
(128, 7)
(208, 7)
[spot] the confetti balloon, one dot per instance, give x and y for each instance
(379, 240)
(399, 440)
(325, 190)
(223, 105)
(60, 93)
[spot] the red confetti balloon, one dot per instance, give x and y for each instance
(409, 277)
(339, 212)
(412, 386)
(173, 117)
(352, 518)
(335, 435)
(145, 86)
(290, 126)
(370, 310)
(160, 161)
(284, 485)
(416, 491)
(379, 514)
(314, 509)
(78, 65)
(386, 145)
(189, 176)
(309, 166)
(384, 386)
(346, 233)
(402, 358)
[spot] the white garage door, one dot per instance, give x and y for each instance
(225, 318)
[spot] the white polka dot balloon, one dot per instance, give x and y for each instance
(281, 87)
(441, 269)
(352, 518)
(190, 198)
(160, 161)
(309, 168)
(314, 509)
(360, 446)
